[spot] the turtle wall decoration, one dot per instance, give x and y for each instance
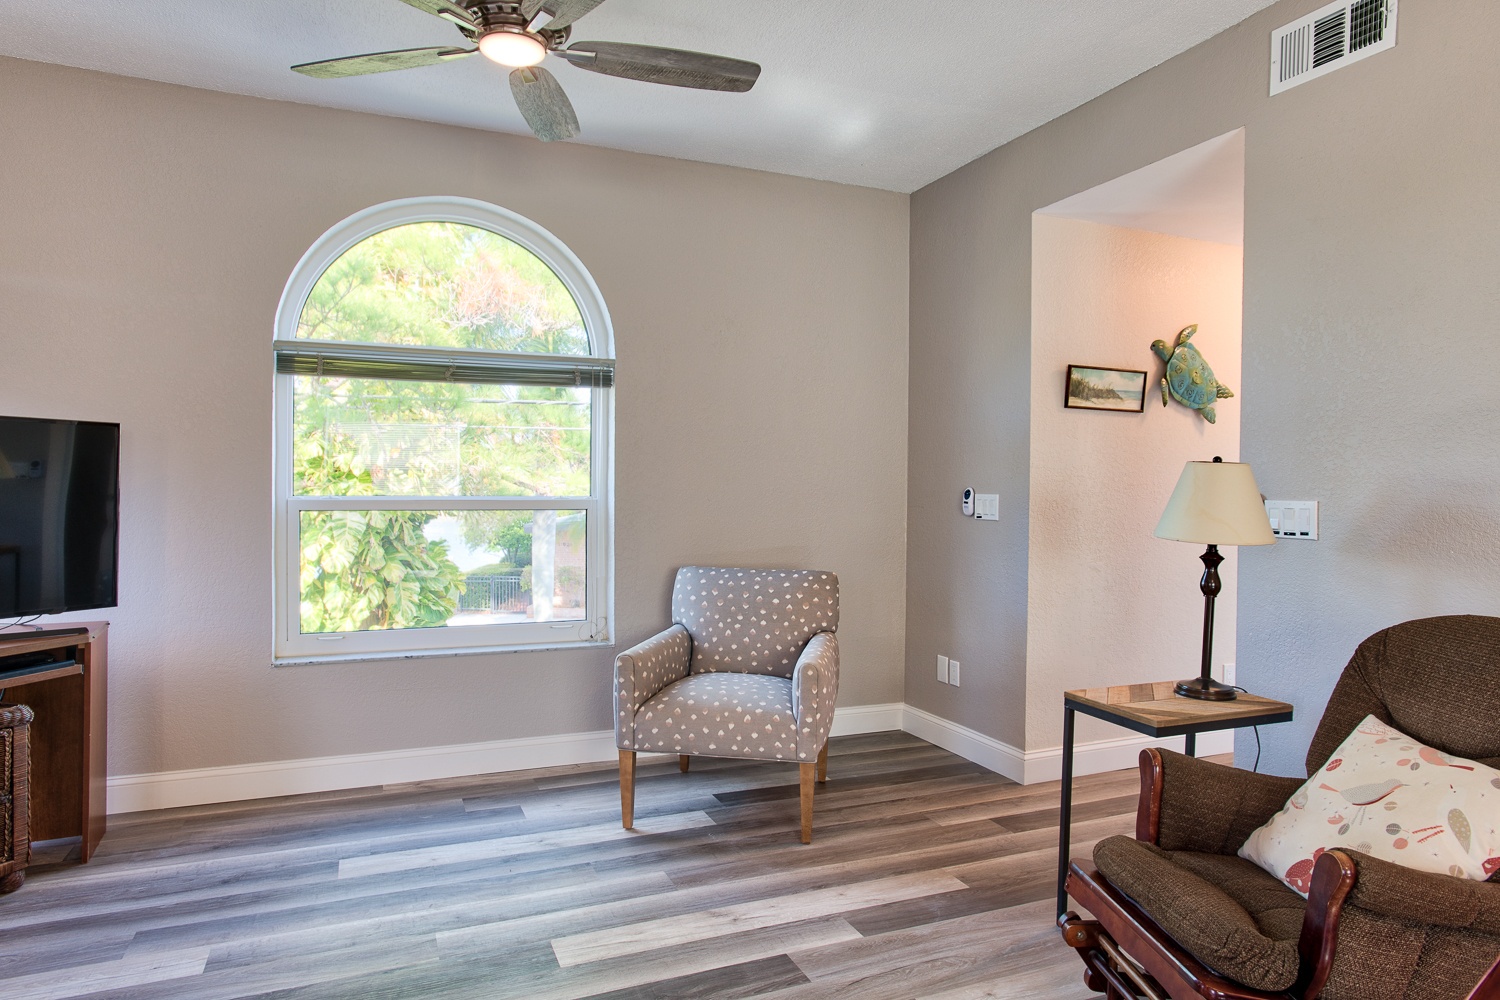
(1189, 380)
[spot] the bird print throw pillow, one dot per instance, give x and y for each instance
(1386, 795)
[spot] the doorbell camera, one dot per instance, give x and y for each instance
(968, 502)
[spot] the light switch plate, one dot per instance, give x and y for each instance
(943, 669)
(953, 672)
(1293, 519)
(987, 507)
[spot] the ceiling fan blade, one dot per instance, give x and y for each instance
(444, 9)
(543, 104)
(381, 62)
(675, 67)
(565, 12)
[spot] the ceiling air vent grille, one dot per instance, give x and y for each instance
(1329, 39)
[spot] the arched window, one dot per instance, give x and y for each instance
(443, 370)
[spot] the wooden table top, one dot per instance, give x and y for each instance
(1156, 706)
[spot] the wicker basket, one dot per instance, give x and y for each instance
(15, 782)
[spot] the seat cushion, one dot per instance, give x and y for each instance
(753, 621)
(1228, 913)
(721, 715)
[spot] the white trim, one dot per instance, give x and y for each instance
(1032, 766)
(238, 782)
(1097, 756)
(856, 720)
(427, 654)
(1002, 758)
(360, 226)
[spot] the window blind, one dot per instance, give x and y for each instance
(328, 359)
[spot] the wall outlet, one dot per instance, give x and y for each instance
(953, 672)
(943, 669)
(1228, 673)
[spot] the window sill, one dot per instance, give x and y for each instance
(427, 654)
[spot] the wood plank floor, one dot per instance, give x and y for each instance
(928, 876)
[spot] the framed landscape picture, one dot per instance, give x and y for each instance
(1105, 389)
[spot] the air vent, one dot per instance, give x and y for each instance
(1330, 38)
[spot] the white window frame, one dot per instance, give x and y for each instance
(290, 644)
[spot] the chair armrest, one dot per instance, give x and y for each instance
(1400, 893)
(642, 671)
(1350, 886)
(815, 687)
(1189, 804)
(1332, 879)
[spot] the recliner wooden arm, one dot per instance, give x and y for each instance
(1362, 895)
(1332, 879)
(1189, 804)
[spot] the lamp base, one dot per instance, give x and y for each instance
(1205, 688)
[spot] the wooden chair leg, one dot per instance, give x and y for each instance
(682, 762)
(808, 773)
(627, 788)
(823, 764)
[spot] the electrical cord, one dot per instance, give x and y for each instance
(1256, 766)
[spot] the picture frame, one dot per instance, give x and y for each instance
(1095, 387)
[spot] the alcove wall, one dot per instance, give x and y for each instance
(1107, 602)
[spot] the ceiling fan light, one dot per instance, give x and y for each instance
(512, 48)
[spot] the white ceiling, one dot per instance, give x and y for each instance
(882, 93)
(1198, 193)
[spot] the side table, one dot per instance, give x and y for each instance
(1155, 710)
(15, 772)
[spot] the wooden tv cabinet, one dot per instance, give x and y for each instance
(68, 736)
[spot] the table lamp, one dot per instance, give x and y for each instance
(1215, 503)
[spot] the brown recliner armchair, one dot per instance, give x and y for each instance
(1179, 914)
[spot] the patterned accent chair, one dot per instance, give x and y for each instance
(748, 669)
(1198, 921)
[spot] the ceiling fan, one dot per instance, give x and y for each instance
(520, 34)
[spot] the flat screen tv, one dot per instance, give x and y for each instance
(59, 515)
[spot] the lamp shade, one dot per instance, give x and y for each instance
(1216, 503)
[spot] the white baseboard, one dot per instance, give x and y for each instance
(857, 719)
(1031, 766)
(970, 744)
(169, 789)
(200, 786)
(1098, 756)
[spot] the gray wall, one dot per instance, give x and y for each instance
(1372, 246)
(146, 232)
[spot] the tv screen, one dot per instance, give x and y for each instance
(59, 515)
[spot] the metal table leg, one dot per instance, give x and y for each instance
(1190, 745)
(1065, 816)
